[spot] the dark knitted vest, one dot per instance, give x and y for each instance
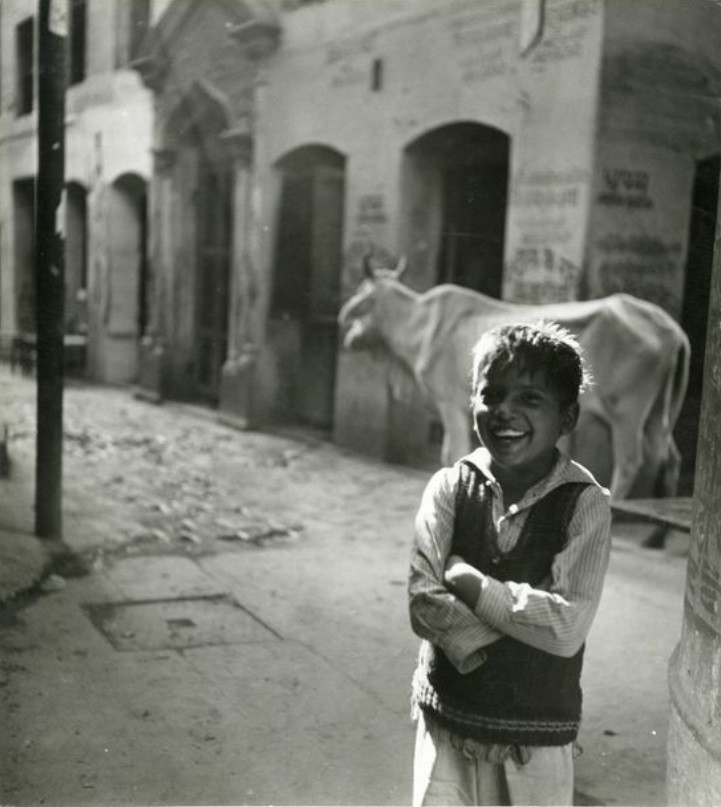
(519, 695)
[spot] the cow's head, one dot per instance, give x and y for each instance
(359, 318)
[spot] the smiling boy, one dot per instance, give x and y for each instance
(510, 551)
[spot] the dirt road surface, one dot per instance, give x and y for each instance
(234, 628)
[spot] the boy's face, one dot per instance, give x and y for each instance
(519, 419)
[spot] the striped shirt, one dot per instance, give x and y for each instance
(555, 616)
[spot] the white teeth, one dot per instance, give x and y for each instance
(509, 433)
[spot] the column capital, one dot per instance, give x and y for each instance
(163, 160)
(239, 142)
(258, 37)
(153, 71)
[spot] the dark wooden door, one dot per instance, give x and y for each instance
(320, 331)
(474, 210)
(307, 273)
(214, 207)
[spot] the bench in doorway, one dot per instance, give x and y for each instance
(23, 352)
(673, 513)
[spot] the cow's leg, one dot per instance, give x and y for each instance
(627, 439)
(456, 432)
(662, 464)
(671, 471)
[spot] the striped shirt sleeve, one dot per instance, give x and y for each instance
(557, 616)
(436, 614)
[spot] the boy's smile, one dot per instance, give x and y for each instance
(519, 418)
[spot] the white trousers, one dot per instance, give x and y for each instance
(444, 775)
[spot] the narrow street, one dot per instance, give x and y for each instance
(234, 629)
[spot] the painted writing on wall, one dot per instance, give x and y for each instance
(640, 224)
(625, 188)
(542, 266)
(349, 61)
(566, 31)
(484, 38)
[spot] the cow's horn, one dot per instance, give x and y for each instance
(401, 267)
(367, 268)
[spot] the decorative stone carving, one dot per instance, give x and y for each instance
(239, 141)
(258, 37)
(153, 71)
(163, 160)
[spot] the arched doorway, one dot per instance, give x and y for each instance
(126, 285)
(203, 186)
(694, 315)
(24, 192)
(306, 282)
(76, 259)
(214, 251)
(455, 185)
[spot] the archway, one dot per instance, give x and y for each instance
(126, 285)
(24, 255)
(694, 315)
(203, 180)
(306, 282)
(455, 185)
(76, 258)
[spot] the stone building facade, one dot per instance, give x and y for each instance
(534, 150)
(107, 154)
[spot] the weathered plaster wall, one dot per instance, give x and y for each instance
(640, 223)
(18, 160)
(108, 134)
(441, 64)
(658, 115)
(553, 156)
(206, 76)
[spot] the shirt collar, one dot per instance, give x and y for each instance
(564, 470)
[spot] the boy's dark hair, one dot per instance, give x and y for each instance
(544, 346)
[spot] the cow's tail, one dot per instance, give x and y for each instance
(675, 395)
(679, 380)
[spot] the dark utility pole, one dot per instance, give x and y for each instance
(50, 268)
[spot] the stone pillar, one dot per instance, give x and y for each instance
(236, 376)
(694, 742)
(152, 343)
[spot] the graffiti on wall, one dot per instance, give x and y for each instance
(640, 228)
(484, 38)
(645, 266)
(565, 32)
(542, 275)
(348, 61)
(371, 209)
(368, 226)
(541, 267)
(623, 187)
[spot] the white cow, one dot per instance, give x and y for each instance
(638, 354)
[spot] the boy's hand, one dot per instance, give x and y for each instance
(463, 580)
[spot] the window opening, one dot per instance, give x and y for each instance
(25, 44)
(24, 208)
(76, 41)
(139, 21)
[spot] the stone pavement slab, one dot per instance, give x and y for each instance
(258, 721)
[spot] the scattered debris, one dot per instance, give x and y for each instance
(190, 537)
(4, 453)
(53, 583)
